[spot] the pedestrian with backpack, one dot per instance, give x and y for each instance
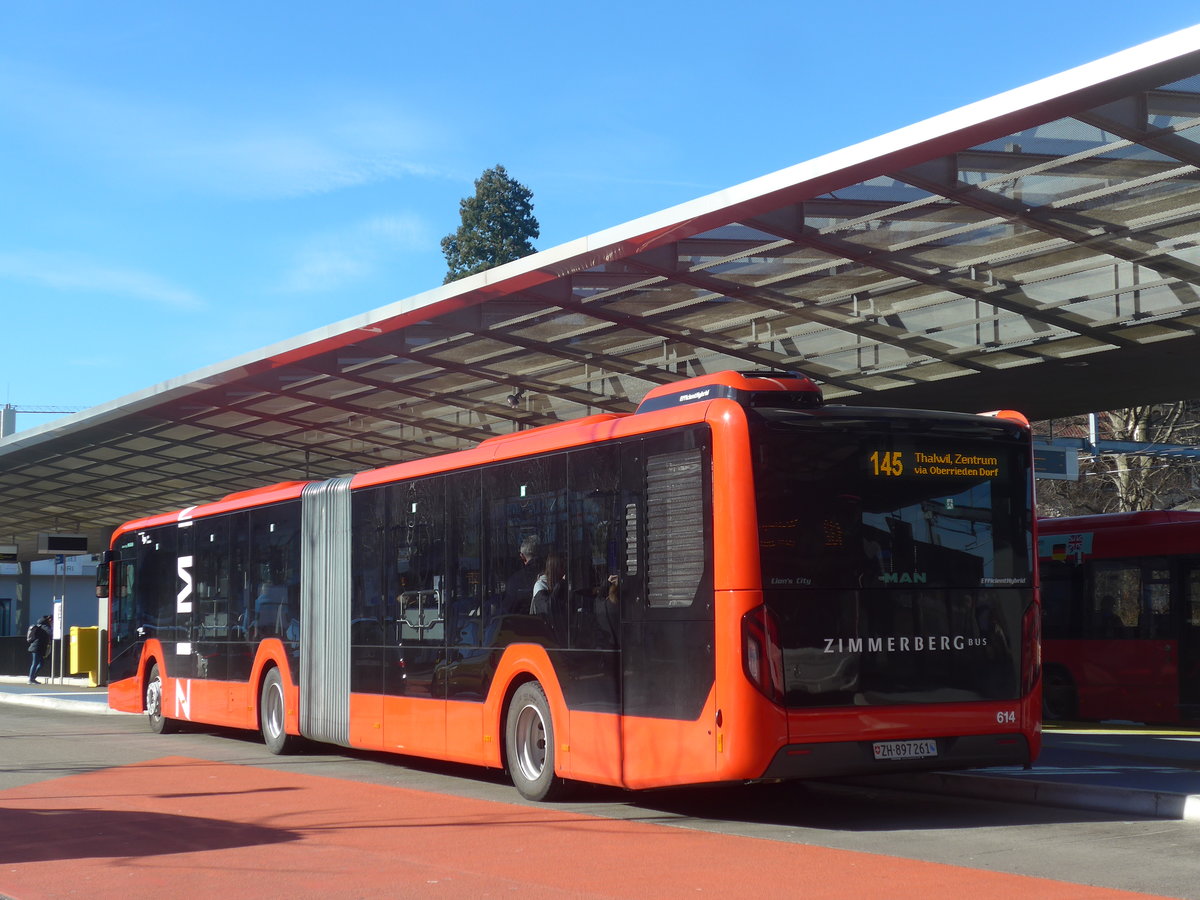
(38, 637)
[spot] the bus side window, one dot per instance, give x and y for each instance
(1156, 600)
(1116, 600)
(210, 570)
(240, 594)
(155, 580)
(376, 661)
(275, 569)
(1193, 595)
(464, 597)
(597, 553)
(526, 502)
(1057, 597)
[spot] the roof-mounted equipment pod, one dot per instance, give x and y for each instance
(759, 389)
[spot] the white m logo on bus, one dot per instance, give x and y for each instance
(182, 603)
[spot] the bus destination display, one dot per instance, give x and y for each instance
(927, 463)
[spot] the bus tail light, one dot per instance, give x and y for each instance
(762, 656)
(1031, 648)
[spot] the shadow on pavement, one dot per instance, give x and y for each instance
(39, 835)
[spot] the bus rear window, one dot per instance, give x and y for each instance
(845, 500)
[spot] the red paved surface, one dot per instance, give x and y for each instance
(178, 826)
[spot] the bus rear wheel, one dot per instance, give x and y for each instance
(1059, 700)
(529, 745)
(159, 723)
(272, 715)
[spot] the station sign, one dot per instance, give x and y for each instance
(1056, 463)
(51, 544)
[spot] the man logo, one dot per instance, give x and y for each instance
(904, 577)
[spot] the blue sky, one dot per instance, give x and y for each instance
(184, 183)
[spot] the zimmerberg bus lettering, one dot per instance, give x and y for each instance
(917, 644)
(695, 395)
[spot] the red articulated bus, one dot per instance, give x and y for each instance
(1121, 594)
(733, 583)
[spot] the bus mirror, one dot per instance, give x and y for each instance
(102, 575)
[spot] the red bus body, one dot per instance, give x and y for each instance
(1121, 596)
(710, 675)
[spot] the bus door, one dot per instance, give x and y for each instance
(667, 635)
(124, 637)
(1189, 641)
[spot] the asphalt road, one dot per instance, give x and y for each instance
(97, 805)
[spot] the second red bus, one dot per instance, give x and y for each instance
(1121, 594)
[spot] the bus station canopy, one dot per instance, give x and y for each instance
(1037, 251)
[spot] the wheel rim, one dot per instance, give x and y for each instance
(273, 714)
(531, 743)
(154, 698)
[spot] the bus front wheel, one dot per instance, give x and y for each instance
(159, 723)
(272, 715)
(529, 744)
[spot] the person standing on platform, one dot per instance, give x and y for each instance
(38, 637)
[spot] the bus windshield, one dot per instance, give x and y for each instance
(850, 501)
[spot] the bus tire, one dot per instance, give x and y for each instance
(1059, 699)
(529, 744)
(159, 723)
(272, 715)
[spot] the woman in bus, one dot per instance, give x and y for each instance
(549, 600)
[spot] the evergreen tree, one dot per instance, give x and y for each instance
(497, 226)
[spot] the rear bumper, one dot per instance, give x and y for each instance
(839, 758)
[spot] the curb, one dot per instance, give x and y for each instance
(38, 701)
(1095, 797)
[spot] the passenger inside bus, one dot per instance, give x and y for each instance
(518, 587)
(596, 615)
(549, 601)
(286, 626)
(1110, 624)
(271, 598)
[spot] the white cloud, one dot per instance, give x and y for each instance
(234, 148)
(69, 273)
(278, 160)
(334, 259)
